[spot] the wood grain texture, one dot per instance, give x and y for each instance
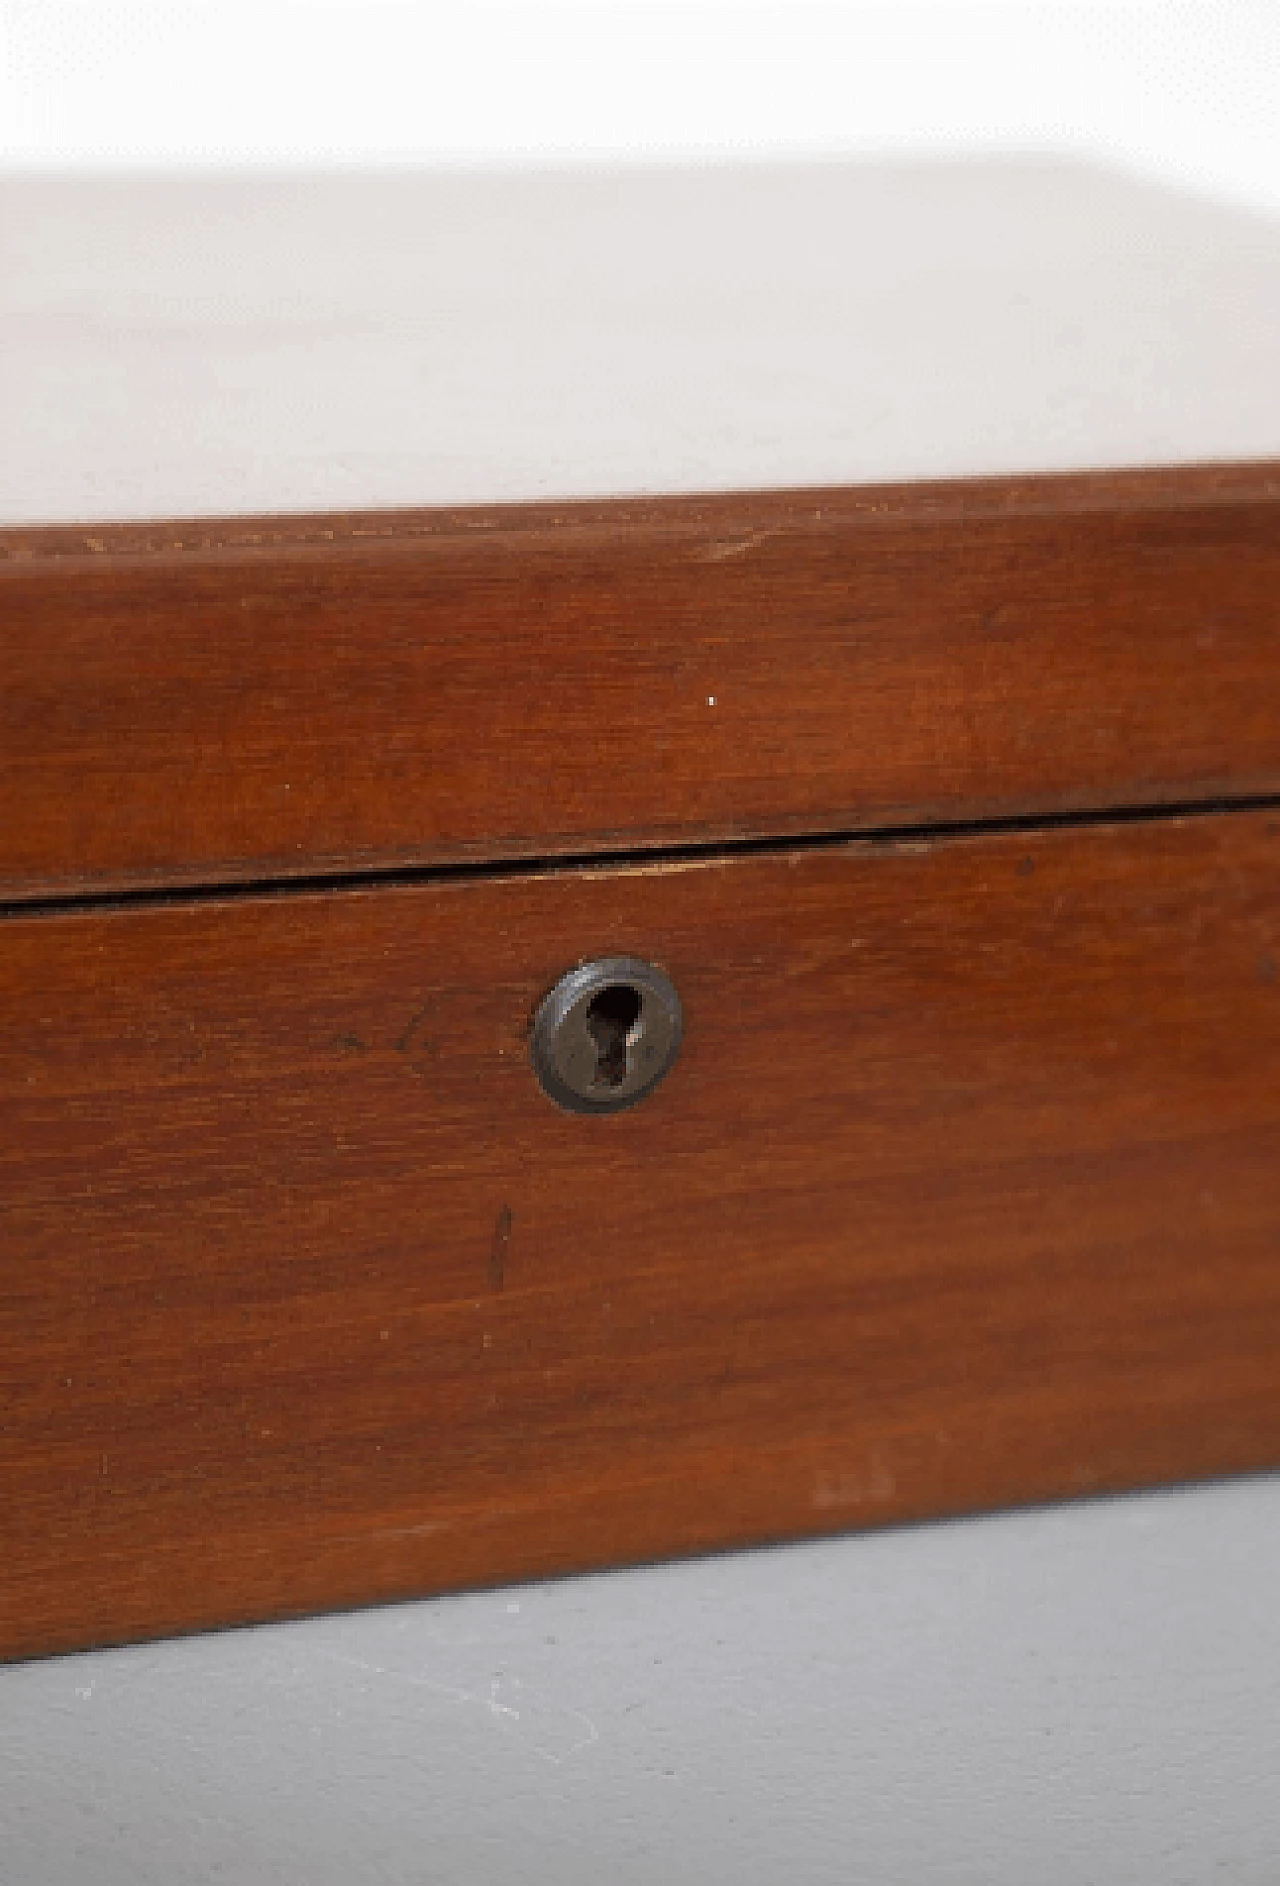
(202, 703)
(964, 1191)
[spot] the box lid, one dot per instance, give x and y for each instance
(564, 648)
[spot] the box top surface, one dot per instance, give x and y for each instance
(199, 346)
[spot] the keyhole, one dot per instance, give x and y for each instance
(605, 1035)
(611, 1018)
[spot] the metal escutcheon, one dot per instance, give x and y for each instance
(606, 1034)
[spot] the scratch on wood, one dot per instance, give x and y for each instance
(722, 550)
(498, 1249)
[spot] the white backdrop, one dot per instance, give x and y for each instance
(1189, 92)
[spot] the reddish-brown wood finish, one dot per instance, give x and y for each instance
(965, 1190)
(228, 701)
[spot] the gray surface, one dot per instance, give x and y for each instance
(189, 346)
(1087, 1696)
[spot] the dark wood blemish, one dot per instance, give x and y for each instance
(500, 1246)
(415, 1045)
(1001, 623)
(410, 1036)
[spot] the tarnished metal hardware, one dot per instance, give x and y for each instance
(606, 1034)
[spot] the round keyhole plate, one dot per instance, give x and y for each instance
(606, 1034)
